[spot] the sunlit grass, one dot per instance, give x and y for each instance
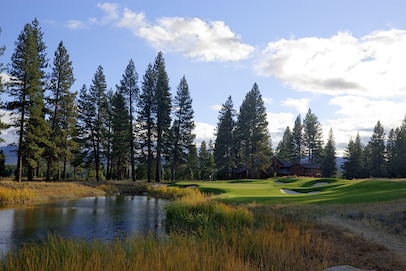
(331, 191)
(10, 196)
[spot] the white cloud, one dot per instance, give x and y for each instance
(277, 123)
(360, 115)
(204, 131)
(111, 11)
(267, 100)
(216, 107)
(370, 66)
(193, 37)
(76, 24)
(301, 105)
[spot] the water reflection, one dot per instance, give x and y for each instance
(103, 218)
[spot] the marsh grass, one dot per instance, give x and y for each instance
(203, 235)
(10, 196)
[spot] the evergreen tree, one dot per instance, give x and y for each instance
(27, 88)
(206, 162)
(182, 128)
(130, 90)
(252, 134)
(121, 135)
(391, 152)
(328, 163)
(400, 153)
(297, 137)
(353, 166)
(107, 143)
(62, 110)
(377, 163)
(92, 116)
(191, 172)
(146, 122)
(163, 111)
(286, 147)
(312, 137)
(224, 148)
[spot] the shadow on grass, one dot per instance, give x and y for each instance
(241, 181)
(211, 190)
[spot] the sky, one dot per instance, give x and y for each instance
(345, 60)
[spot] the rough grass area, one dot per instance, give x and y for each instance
(39, 191)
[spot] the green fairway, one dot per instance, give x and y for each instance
(302, 190)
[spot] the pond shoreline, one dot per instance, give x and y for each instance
(41, 191)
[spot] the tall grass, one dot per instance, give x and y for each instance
(10, 196)
(203, 235)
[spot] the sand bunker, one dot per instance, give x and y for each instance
(287, 191)
(320, 184)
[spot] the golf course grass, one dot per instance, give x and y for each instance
(302, 190)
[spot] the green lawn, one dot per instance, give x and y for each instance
(307, 190)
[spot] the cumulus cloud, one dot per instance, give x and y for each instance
(216, 107)
(204, 131)
(194, 38)
(370, 66)
(277, 123)
(300, 105)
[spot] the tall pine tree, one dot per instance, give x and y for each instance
(328, 163)
(297, 137)
(286, 147)
(92, 114)
(146, 122)
(27, 87)
(252, 135)
(130, 91)
(162, 113)
(62, 110)
(182, 128)
(121, 136)
(377, 148)
(312, 137)
(224, 148)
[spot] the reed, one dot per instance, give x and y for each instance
(10, 196)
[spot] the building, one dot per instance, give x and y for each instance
(285, 168)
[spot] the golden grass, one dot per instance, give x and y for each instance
(10, 196)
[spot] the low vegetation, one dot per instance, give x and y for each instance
(10, 196)
(298, 233)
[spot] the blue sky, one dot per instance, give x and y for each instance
(343, 59)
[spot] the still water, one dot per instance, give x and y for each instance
(103, 218)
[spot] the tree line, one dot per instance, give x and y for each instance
(139, 131)
(136, 131)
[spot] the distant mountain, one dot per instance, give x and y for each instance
(11, 154)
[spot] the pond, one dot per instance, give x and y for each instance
(103, 218)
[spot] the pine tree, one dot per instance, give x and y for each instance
(376, 145)
(121, 136)
(391, 152)
(130, 90)
(62, 110)
(400, 153)
(146, 122)
(27, 88)
(107, 131)
(224, 148)
(92, 115)
(252, 134)
(286, 147)
(182, 128)
(353, 166)
(297, 137)
(163, 111)
(312, 137)
(328, 163)
(206, 161)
